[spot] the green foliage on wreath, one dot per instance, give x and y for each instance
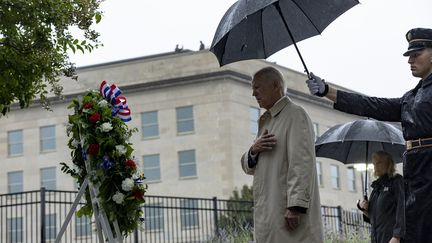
(103, 139)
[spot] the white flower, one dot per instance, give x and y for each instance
(69, 127)
(106, 127)
(128, 184)
(138, 173)
(74, 143)
(120, 149)
(118, 197)
(103, 103)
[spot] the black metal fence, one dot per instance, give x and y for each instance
(36, 216)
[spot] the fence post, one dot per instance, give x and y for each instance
(42, 214)
(215, 216)
(136, 235)
(340, 218)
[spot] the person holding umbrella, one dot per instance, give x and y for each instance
(282, 162)
(385, 208)
(414, 112)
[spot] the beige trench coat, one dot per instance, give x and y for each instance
(286, 177)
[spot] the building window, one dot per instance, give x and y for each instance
(15, 229)
(316, 130)
(50, 227)
(152, 167)
(82, 226)
(48, 178)
(187, 163)
(150, 124)
(189, 213)
(15, 143)
(15, 181)
(47, 139)
(351, 179)
(334, 169)
(254, 114)
(319, 173)
(154, 217)
(185, 120)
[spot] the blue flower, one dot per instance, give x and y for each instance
(84, 155)
(106, 163)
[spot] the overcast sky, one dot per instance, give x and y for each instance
(361, 50)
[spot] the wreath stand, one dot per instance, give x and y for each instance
(102, 223)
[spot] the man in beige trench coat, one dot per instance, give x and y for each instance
(282, 161)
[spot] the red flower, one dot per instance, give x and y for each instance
(139, 195)
(88, 106)
(93, 149)
(95, 117)
(130, 164)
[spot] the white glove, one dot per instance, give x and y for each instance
(316, 85)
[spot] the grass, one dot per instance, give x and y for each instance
(246, 236)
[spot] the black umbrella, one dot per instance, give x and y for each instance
(354, 142)
(255, 29)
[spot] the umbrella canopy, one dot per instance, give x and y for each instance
(255, 29)
(355, 142)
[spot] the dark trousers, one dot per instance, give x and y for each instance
(418, 195)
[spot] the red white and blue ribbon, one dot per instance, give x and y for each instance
(120, 107)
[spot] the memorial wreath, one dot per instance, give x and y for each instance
(98, 133)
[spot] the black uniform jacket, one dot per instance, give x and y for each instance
(414, 111)
(386, 209)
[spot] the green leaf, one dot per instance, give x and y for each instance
(72, 47)
(98, 17)
(80, 48)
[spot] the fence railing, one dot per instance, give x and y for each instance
(36, 216)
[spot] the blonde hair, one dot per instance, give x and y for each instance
(387, 158)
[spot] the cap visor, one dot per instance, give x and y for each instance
(407, 53)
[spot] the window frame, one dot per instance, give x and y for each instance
(188, 163)
(10, 173)
(83, 224)
(253, 123)
(18, 233)
(44, 181)
(183, 120)
(337, 178)
(159, 218)
(20, 143)
(147, 180)
(43, 139)
(51, 226)
(352, 185)
(147, 125)
(186, 210)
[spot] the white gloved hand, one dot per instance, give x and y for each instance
(316, 85)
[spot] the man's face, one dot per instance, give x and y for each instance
(421, 63)
(266, 92)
